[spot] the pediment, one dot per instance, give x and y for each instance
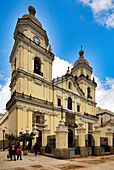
(75, 87)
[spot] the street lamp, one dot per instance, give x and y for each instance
(35, 129)
(27, 130)
(21, 132)
(3, 139)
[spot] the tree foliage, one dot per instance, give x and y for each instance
(26, 136)
(10, 136)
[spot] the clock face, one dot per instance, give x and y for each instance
(36, 40)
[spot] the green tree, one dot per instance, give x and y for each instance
(10, 137)
(24, 137)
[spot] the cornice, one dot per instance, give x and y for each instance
(27, 22)
(14, 99)
(83, 78)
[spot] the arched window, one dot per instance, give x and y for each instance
(70, 86)
(37, 65)
(37, 119)
(88, 92)
(87, 76)
(69, 103)
(78, 108)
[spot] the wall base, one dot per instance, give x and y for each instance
(83, 151)
(62, 153)
(97, 151)
(111, 149)
(42, 150)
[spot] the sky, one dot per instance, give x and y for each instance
(69, 24)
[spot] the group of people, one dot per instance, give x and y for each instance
(13, 151)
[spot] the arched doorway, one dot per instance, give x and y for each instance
(90, 140)
(90, 143)
(39, 140)
(70, 138)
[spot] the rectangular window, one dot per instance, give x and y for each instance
(78, 108)
(59, 102)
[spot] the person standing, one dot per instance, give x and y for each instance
(19, 152)
(35, 149)
(10, 152)
(13, 152)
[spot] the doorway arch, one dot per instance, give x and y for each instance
(90, 142)
(70, 138)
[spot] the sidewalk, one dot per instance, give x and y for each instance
(31, 162)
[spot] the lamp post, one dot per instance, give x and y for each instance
(3, 139)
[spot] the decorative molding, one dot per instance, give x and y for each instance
(37, 82)
(29, 79)
(45, 85)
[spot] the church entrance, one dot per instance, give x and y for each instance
(70, 138)
(90, 143)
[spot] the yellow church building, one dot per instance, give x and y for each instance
(38, 101)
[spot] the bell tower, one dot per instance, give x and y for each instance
(82, 73)
(31, 57)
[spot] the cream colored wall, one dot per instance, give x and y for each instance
(10, 123)
(2, 125)
(105, 118)
(103, 131)
(30, 35)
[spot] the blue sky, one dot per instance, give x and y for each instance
(69, 24)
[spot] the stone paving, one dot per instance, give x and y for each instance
(31, 162)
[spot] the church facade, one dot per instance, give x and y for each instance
(35, 96)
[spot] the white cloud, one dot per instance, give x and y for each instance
(105, 93)
(103, 11)
(1, 76)
(60, 67)
(4, 95)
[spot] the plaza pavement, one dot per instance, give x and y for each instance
(31, 162)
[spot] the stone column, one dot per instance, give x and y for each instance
(62, 150)
(96, 135)
(45, 133)
(109, 134)
(81, 132)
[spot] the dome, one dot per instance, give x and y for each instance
(31, 15)
(81, 58)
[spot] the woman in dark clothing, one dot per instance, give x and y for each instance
(10, 151)
(19, 152)
(13, 152)
(35, 149)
